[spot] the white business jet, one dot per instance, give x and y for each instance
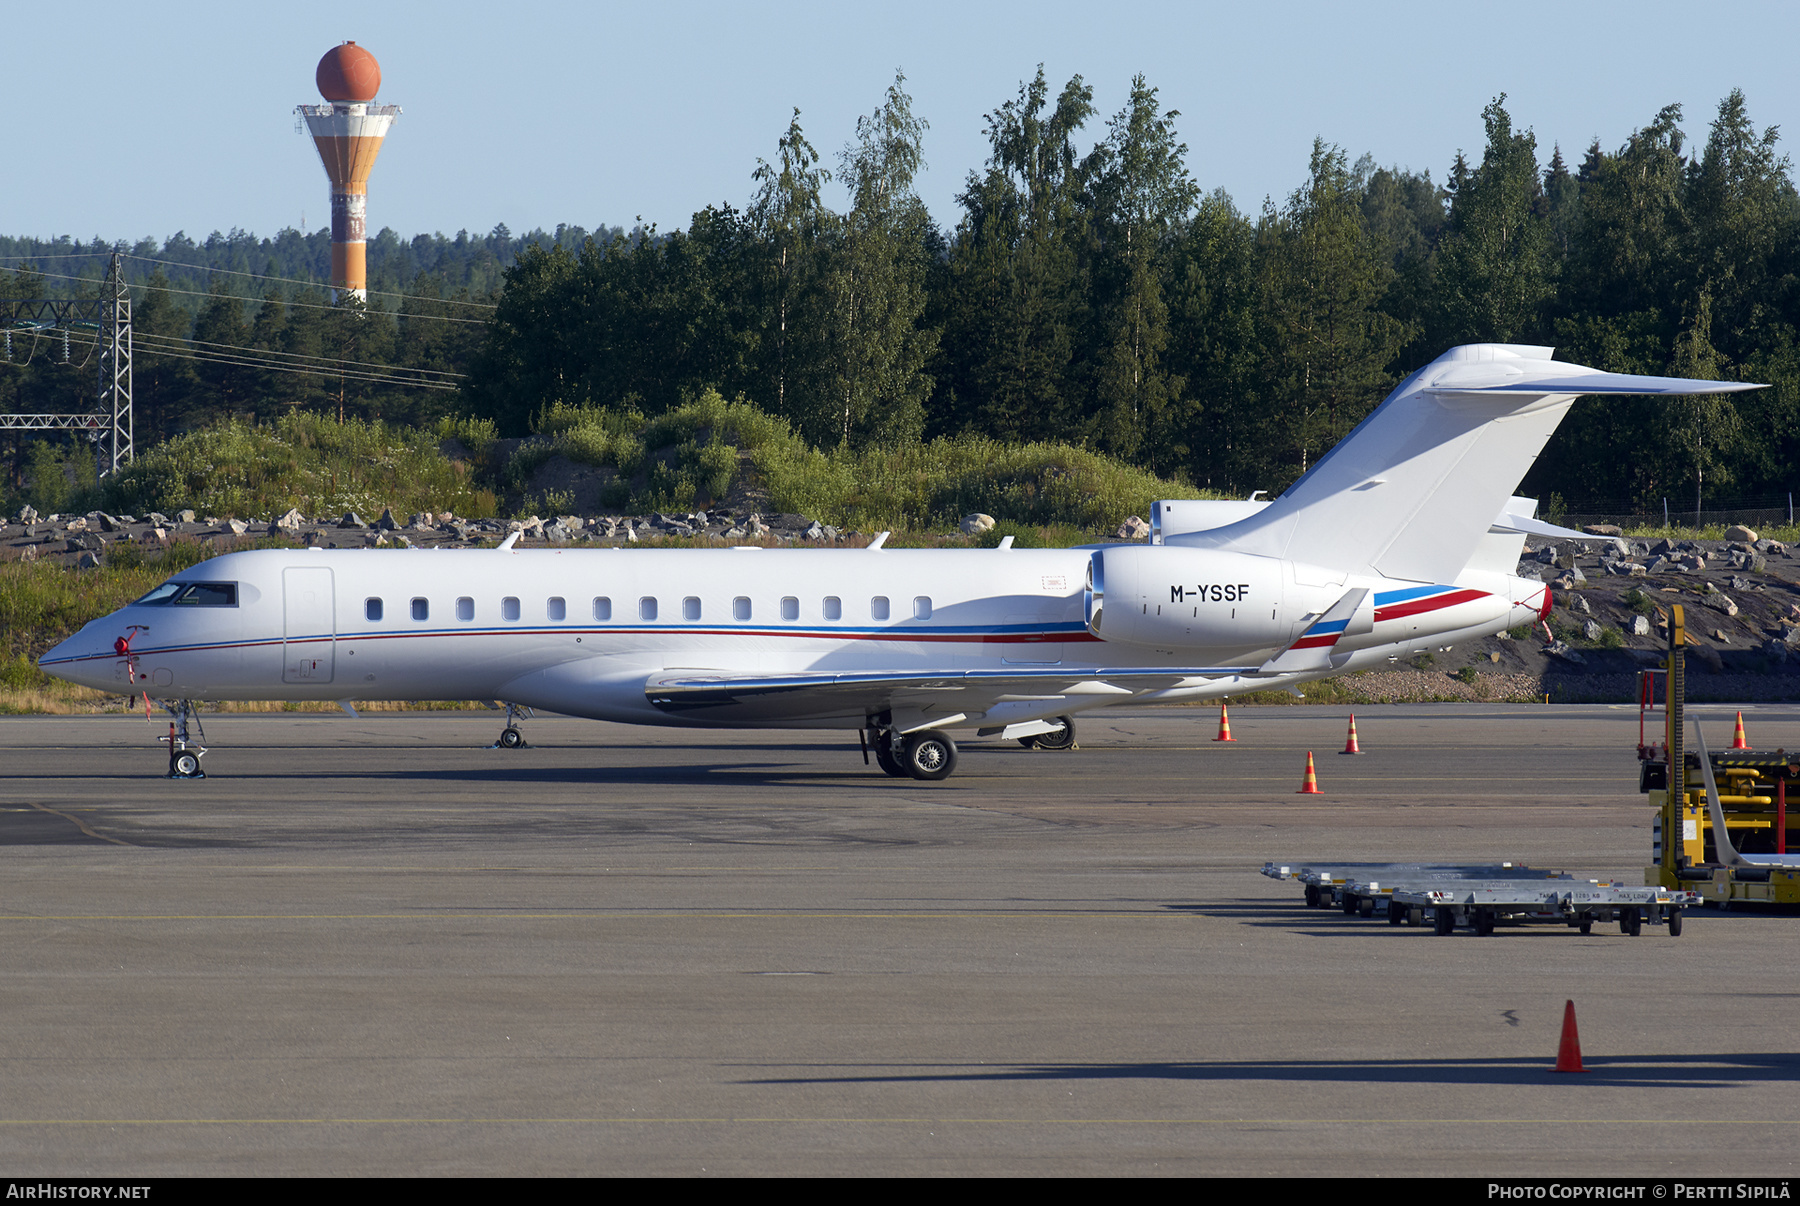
(1403, 538)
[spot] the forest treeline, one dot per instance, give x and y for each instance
(1090, 292)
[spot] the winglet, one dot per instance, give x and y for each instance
(1313, 650)
(880, 539)
(509, 542)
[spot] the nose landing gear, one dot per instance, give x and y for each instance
(184, 752)
(512, 737)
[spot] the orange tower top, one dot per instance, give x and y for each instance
(348, 74)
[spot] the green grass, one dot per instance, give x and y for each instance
(305, 460)
(696, 454)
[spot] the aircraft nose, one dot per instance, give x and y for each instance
(79, 660)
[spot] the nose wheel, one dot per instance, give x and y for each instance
(512, 737)
(184, 751)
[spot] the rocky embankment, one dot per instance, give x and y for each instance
(84, 539)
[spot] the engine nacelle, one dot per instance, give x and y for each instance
(1179, 598)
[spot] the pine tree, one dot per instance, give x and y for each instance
(1141, 194)
(876, 281)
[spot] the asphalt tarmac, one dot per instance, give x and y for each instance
(375, 946)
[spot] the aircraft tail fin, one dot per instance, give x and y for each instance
(1413, 490)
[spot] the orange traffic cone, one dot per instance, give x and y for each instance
(1224, 725)
(1737, 738)
(1350, 746)
(1568, 1053)
(1311, 786)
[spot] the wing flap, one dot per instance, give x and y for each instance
(722, 695)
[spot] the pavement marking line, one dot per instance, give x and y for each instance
(1049, 914)
(80, 824)
(1359, 1120)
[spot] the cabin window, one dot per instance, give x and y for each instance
(740, 608)
(557, 610)
(509, 608)
(647, 608)
(790, 608)
(878, 607)
(465, 609)
(833, 608)
(603, 608)
(372, 609)
(922, 607)
(421, 609)
(690, 608)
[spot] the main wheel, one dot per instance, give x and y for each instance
(930, 755)
(1061, 739)
(511, 738)
(185, 764)
(884, 757)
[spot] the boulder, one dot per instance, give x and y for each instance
(1561, 649)
(387, 522)
(976, 524)
(1741, 534)
(1134, 528)
(1602, 529)
(1640, 626)
(184, 516)
(351, 520)
(238, 527)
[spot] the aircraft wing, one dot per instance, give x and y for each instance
(951, 698)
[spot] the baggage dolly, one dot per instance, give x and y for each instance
(1578, 906)
(1326, 882)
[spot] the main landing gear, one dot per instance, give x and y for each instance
(512, 737)
(928, 755)
(1061, 739)
(184, 752)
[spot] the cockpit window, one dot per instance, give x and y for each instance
(192, 594)
(161, 594)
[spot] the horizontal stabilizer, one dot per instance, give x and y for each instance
(1412, 491)
(1526, 525)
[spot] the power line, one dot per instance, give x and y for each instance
(253, 359)
(238, 347)
(286, 280)
(295, 281)
(479, 322)
(265, 366)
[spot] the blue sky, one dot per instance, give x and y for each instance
(136, 119)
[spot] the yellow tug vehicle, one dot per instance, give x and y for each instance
(1724, 828)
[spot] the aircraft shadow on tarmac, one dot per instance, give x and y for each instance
(1630, 1071)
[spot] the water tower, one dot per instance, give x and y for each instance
(348, 132)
